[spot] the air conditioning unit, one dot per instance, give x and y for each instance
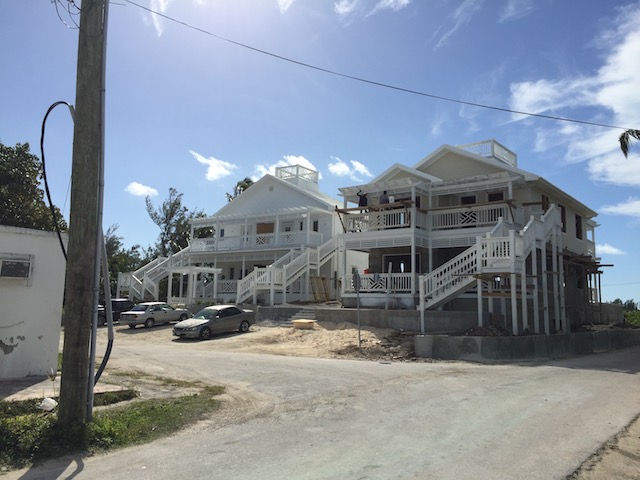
(16, 266)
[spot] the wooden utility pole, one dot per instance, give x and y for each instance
(83, 218)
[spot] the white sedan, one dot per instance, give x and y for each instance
(152, 313)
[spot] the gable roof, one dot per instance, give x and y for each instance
(271, 195)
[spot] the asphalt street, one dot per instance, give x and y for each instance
(307, 418)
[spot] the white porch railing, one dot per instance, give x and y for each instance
(467, 217)
(377, 220)
(258, 241)
(379, 283)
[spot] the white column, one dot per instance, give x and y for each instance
(545, 289)
(479, 288)
(534, 273)
(514, 304)
(169, 285)
(556, 286)
(523, 297)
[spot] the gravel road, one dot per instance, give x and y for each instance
(322, 418)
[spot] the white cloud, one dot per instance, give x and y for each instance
(612, 92)
(606, 249)
(515, 10)
(461, 16)
(345, 8)
(355, 171)
(216, 169)
(394, 5)
(159, 6)
(631, 208)
(139, 190)
(262, 169)
(284, 5)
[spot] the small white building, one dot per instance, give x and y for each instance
(32, 273)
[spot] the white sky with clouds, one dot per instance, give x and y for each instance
(188, 110)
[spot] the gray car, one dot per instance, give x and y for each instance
(215, 319)
(152, 313)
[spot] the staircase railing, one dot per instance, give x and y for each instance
(448, 278)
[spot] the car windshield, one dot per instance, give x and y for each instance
(207, 313)
(139, 308)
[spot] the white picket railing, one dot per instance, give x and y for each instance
(379, 283)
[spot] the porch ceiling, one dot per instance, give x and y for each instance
(283, 214)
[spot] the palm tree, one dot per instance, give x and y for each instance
(625, 139)
(240, 187)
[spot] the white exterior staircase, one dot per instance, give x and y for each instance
(490, 255)
(145, 281)
(281, 274)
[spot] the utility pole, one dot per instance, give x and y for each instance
(83, 217)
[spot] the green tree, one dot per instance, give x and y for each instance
(174, 220)
(120, 259)
(240, 187)
(21, 198)
(625, 140)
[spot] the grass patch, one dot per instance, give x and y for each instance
(28, 435)
(632, 318)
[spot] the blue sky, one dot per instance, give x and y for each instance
(189, 110)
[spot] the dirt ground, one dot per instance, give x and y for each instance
(618, 459)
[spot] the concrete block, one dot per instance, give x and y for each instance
(423, 346)
(602, 341)
(581, 343)
(557, 345)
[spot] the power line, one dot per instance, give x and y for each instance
(373, 82)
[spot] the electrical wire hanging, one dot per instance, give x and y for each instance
(373, 82)
(44, 173)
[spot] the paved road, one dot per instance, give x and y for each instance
(304, 418)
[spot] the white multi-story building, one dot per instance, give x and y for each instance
(464, 229)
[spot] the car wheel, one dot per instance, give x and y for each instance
(149, 323)
(132, 326)
(205, 333)
(244, 326)
(183, 317)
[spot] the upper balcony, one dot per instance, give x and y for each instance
(405, 215)
(284, 240)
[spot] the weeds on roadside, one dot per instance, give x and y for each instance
(28, 435)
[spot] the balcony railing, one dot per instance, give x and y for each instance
(259, 241)
(473, 216)
(379, 283)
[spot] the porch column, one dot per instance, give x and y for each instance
(556, 286)
(479, 296)
(216, 235)
(514, 304)
(284, 284)
(215, 285)
(534, 273)
(308, 227)
(276, 232)
(244, 267)
(523, 288)
(545, 289)
(413, 263)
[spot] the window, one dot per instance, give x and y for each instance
(315, 225)
(468, 200)
(232, 272)
(563, 217)
(495, 196)
(579, 234)
(222, 233)
(545, 203)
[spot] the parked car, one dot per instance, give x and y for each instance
(152, 313)
(215, 319)
(118, 305)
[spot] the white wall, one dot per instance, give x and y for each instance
(31, 311)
